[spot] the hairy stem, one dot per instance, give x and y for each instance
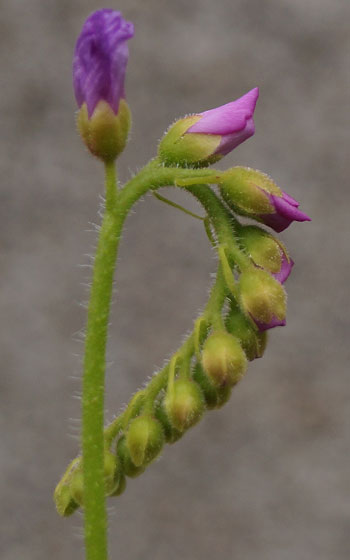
(94, 374)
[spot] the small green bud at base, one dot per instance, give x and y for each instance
(127, 465)
(214, 397)
(223, 359)
(65, 504)
(145, 439)
(252, 341)
(105, 133)
(184, 404)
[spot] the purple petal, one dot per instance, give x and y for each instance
(231, 141)
(285, 213)
(230, 118)
(290, 199)
(275, 322)
(285, 270)
(100, 59)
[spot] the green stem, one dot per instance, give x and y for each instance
(94, 374)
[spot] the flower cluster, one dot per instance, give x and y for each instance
(248, 297)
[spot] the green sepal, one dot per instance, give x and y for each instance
(65, 504)
(184, 404)
(252, 341)
(223, 359)
(246, 191)
(171, 434)
(105, 133)
(188, 150)
(145, 439)
(128, 467)
(214, 397)
(262, 296)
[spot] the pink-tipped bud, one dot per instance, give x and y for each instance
(204, 138)
(266, 251)
(252, 193)
(263, 299)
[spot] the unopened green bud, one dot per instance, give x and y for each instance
(105, 133)
(145, 439)
(223, 359)
(214, 397)
(65, 504)
(252, 340)
(128, 467)
(262, 298)
(184, 404)
(171, 434)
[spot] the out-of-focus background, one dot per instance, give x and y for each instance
(268, 475)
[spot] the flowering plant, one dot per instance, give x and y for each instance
(246, 300)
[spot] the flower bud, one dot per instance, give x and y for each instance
(252, 193)
(65, 504)
(204, 138)
(266, 252)
(263, 299)
(214, 397)
(145, 439)
(223, 359)
(99, 66)
(184, 404)
(252, 341)
(128, 467)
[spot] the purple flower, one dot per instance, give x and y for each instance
(100, 59)
(233, 122)
(285, 211)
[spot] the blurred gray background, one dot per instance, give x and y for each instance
(268, 476)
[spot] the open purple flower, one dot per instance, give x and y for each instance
(285, 211)
(100, 59)
(233, 122)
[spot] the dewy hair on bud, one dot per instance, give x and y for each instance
(99, 66)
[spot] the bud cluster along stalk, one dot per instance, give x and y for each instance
(247, 299)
